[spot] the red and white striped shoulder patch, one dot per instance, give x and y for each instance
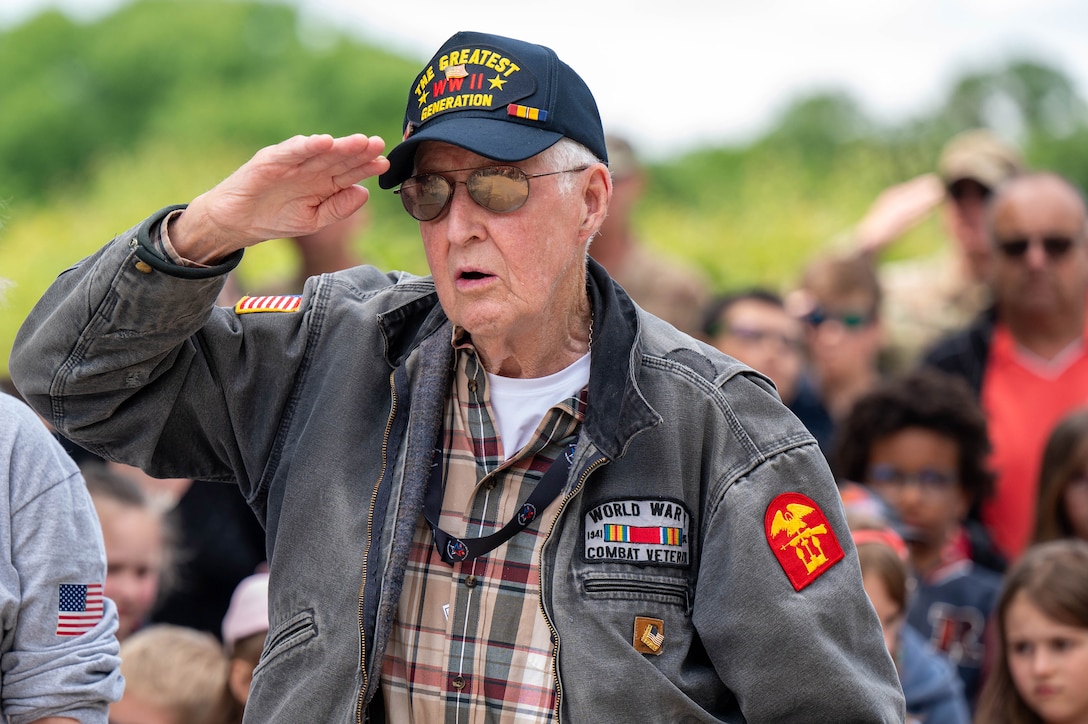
(268, 303)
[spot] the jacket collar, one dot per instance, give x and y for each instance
(617, 409)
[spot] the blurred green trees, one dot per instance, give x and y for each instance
(106, 121)
(194, 72)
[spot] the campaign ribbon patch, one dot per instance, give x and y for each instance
(644, 531)
(801, 538)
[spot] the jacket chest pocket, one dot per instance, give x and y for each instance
(292, 632)
(637, 587)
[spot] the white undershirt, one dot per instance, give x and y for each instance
(519, 404)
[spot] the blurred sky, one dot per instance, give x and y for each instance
(677, 74)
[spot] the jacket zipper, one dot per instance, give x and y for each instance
(359, 708)
(555, 634)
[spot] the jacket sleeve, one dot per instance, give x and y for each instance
(53, 540)
(789, 628)
(139, 365)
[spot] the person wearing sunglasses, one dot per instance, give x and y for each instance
(1026, 358)
(499, 492)
(931, 295)
(838, 300)
(755, 326)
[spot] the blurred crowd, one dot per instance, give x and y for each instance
(949, 395)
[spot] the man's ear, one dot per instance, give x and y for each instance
(597, 195)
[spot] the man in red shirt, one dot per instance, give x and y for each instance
(1026, 357)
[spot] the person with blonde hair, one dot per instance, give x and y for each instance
(174, 675)
(139, 544)
(1040, 672)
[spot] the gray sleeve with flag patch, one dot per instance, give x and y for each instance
(58, 653)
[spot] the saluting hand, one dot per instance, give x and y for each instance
(293, 188)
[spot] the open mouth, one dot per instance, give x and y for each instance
(472, 275)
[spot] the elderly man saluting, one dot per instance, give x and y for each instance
(498, 493)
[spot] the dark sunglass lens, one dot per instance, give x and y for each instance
(1014, 248)
(1056, 246)
(499, 188)
(424, 197)
(964, 188)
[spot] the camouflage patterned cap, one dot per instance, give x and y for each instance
(979, 155)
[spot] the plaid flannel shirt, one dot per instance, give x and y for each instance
(470, 643)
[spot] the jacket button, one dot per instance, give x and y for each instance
(458, 682)
(470, 581)
(143, 267)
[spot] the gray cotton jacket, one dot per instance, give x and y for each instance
(326, 418)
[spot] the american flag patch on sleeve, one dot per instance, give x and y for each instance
(80, 608)
(275, 303)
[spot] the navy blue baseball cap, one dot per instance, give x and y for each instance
(498, 97)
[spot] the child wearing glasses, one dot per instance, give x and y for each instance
(919, 442)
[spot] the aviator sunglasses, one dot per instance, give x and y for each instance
(1054, 246)
(501, 189)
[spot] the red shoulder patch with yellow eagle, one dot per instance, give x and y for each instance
(801, 538)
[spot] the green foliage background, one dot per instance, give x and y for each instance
(104, 122)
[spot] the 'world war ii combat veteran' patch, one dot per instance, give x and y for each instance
(643, 531)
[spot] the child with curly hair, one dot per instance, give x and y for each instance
(919, 441)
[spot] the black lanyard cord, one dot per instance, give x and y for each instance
(456, 550)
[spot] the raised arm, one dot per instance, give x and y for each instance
(896, 211)
(293, 188)
(131, 328)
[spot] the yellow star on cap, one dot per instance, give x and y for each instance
(496, 82)
(423, 98)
